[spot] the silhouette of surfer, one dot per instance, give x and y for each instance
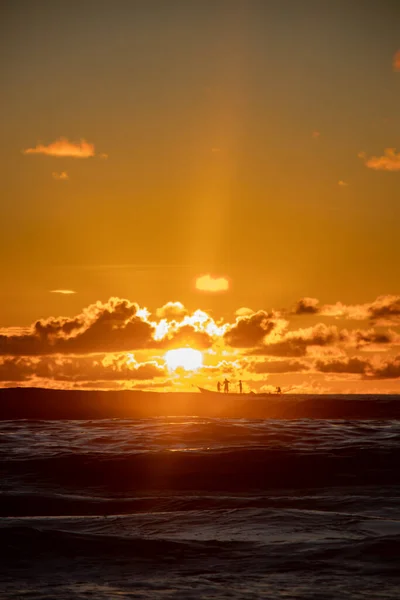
(240, 387)
(218, 386)
(226, 386)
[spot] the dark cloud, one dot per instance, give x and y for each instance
(386, 308)
(112, 326)
(349, 365)
(387, 369)
(278, 366)
(284, 348)
(306, 306)
(295, 343)
(370, 369)
(365, 337)
(78, 368)
(250, 331)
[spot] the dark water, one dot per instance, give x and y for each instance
(200, 508)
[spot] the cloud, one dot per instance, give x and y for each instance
(94, 347)
(244, 311)
(64, 148)
(296, 343)
(250, 331)
(113, 326)
(172, 310)
(387, 369)
(185, 335)
(120, 367)
(62, 176)
(396, 61)
(102, 327)
(278, 366)
(207, 283)
(384, 310)
(65, 292)
(349, 365)
(306, 306)
(390, 161)
(342, 183)
(363, 337)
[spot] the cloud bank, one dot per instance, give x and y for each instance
(120, 344)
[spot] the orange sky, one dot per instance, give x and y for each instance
(226, 155)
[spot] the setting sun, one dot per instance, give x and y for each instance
(186, 358)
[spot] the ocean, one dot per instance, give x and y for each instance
(193, 507)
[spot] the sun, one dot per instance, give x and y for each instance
(186, 358)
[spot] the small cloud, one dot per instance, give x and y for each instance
(103, 156)
(215, 149)
(389, 162)
(316, 135)
(65, 292)
(396, 61)
(244, 312)
(342, 183)
(207, 283)
(171, 310)
(306, 306)
(63, 176)
(64, 148)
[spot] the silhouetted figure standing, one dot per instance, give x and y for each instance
(219, 386)
(226, 386)
(240, 387)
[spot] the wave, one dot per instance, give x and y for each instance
(234, 470)
(292, 547)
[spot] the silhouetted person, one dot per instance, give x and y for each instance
(278, 390)
(240, 386)
(219, 386)
(226, 386)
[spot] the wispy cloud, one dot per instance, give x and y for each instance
(396, 61)
(385, 310)
(207, 283)
(390, 161)
(342, 183)
(62, 176)
(65, 292)
(64, 148)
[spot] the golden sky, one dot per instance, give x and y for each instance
(222, 156)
